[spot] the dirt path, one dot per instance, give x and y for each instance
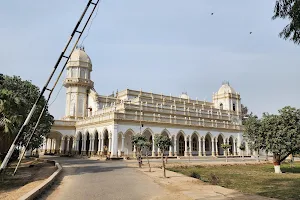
(25, 180)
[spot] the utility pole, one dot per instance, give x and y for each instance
(62, 55)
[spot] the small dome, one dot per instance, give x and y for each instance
(80, 58)
(226, 88)
(184, 96)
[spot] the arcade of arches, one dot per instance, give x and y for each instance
(101, 144)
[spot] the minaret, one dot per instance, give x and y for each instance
(78, 84)
(227, 99)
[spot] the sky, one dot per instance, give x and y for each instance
(159, 46)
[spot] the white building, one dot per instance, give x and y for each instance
(95, 124)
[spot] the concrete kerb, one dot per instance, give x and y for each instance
(34, 193)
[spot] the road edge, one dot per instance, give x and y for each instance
(34, 193)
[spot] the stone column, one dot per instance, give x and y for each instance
(92, 145)
(185, 147)
(216, 149)
(191, 146)
(153, 147)
(54, 145)
(175, 146)
(170, 151)
(200, 147)
(203, 145)
(114, 141)
(68, 144)
(109, 144)
(62, 145)
(102, 146)
(83, 148)
(50, 145)
(234, 148)
(75, 145)
(134, 151)
(99, 146)
(213, 147)
(122, 147)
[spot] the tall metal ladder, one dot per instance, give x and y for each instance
(75, 32)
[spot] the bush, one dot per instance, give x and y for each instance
(195, 175)
(214, 180)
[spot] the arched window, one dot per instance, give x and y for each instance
(233, 107)
(221, 106)
(82, 73)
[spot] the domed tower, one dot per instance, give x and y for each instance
(78, 84)
(227, 99)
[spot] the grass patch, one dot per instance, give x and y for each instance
(251, 179)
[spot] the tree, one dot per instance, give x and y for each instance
(243, 148)
(254, 134)
(163, 143)
(147, 146)
(19, 98)
(244, 112)
(289, 9)
(282, 134)
(10, 120)
(225, 147)
(139, 141)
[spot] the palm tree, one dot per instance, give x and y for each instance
(9, 119)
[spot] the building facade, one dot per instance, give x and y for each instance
(99, 125)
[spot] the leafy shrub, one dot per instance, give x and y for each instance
(214, 180)
(195, 175)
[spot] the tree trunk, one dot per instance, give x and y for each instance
(148, 161)
(164, 166)
(267, 157)
(243, 155)
(276, 160)
(163, 162)
(292, 161)
(140, 159)
(226, 154)
(258, 160)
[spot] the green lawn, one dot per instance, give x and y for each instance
(253, 179)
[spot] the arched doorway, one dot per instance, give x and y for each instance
(220, 141)
(96, 142)
(181, 145)
(79, 143)
(128, 146)
(87, 143)
(105, 142)
(231, 150)
(148, 136)
(195, 144)
(208, 147)
(164, 133)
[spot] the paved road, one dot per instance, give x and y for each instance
(111, 180)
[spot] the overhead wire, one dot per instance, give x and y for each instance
(88, 31)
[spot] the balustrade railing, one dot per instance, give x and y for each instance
(172, 119)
